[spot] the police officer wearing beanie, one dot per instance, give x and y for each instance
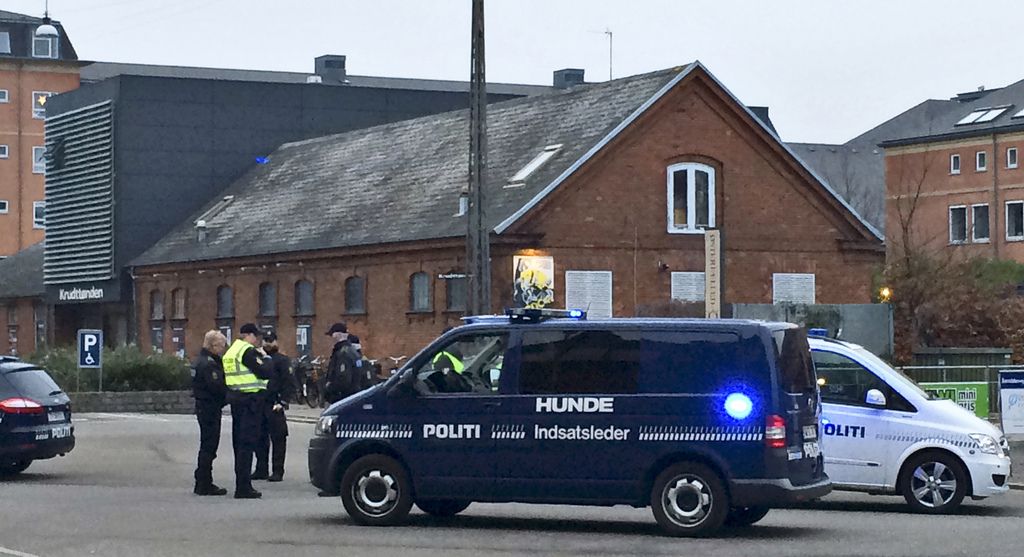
(275, 425)
(209, 391)
(246, 370)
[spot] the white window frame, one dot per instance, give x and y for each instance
(5, 206)
(954, 164)
(36, 169)
(967, 225)
(978, 166)
(1015, 161)
(5, 96)
(974, 237)
(525, 172)
(7, 44)
(52, 53)
(1008, 237)
(41, 114)
(691, 197)
(5, 151)
(37, 223)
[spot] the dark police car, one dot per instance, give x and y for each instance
(35, 417)
(709, 422)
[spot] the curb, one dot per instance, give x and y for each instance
(1016, 486)
(305, 420)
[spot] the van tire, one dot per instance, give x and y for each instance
(740, 517)
(918, 476)
(14, 467)
(699, 505)
(443, 507)
(376, 491)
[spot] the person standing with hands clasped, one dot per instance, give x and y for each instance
(275, 426)
(246, 370)
(209, 391)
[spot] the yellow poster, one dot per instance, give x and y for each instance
(534, 281)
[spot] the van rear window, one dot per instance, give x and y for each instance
(32, 382)
(796, 371)
(702, 362)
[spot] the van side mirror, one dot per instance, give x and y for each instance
(405, 386)
(875, 398)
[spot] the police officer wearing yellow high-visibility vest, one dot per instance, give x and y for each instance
(246, 370)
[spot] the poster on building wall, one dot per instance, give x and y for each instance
(972, 396)
(793, 288)
(178, 341)
(1011, 402)
(533, 281)
(590, 291)
(688, 287)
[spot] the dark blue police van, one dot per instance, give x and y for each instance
(709, 422)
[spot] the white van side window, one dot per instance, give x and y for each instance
(845, 381)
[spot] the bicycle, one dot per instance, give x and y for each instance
(310, 390)
(395, 361)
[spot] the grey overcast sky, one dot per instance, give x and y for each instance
(828, 70)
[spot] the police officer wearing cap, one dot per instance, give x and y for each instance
(246, 370)
(274, 431)
(345, 365)
(209, 391)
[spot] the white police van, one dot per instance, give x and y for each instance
(709, 422)
(883, 434)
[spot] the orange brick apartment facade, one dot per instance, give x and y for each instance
(609, 214)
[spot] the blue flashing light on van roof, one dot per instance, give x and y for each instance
(818, 332)
(262, 160)
(738, 406)
(576, 313)
(536, 315)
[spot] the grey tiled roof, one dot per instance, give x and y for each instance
(943, 122)
(402, 181)
(21, 275)
(98, 71)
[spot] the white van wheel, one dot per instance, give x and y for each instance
(688, 499)
(934, 483)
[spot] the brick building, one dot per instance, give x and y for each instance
(954, 183)
(609, 186)
(26, 316)
(31, 70)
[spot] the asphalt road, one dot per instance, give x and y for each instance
(126, 490)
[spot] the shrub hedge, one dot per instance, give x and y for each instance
(125, 368)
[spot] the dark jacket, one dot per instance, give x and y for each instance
(279, 384)
(343, 371)
(208, 378)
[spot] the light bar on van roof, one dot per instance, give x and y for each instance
(817, 332)
(539, 314)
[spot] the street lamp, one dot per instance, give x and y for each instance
(47, 30)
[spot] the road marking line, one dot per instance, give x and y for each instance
(5, 551)
(133, 417)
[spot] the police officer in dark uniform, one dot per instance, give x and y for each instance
(345, 365)
(275, 426)
(246, 370)
(209, 391)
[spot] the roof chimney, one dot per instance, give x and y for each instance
(331, 68)
(568, 77)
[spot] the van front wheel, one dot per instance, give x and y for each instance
(689, 500)
(442, 507)
(376, 491)
(934, 483)
(745, 516)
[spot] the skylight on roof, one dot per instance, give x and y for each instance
(982, 115)
(533, 165)
(1019, 114)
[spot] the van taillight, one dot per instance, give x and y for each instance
(775, 432)
(21, 406)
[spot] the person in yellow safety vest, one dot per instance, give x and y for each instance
(246, 370)
(453, 363)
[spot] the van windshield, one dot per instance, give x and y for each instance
(796, 370)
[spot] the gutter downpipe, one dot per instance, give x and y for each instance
(995, 197)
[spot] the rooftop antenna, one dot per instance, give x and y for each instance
(608, 32)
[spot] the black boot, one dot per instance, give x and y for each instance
(209, 489)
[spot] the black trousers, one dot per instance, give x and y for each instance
(245, 434)
(208, 415)
(274, 432)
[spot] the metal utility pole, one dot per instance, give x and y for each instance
(478, 241)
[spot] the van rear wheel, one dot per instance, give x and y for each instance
(376, 491)
(688, 499)
(13, 467)
(739, 517)
(442, 507)
(934, 483)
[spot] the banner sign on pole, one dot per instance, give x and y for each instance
(971, 396)
(1011, 401)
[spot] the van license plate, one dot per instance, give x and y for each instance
(56, 416)
(810, 432)
(61, 432)
(811, 450)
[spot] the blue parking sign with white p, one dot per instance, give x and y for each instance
(90, 348)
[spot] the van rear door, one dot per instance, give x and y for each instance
(799, 405)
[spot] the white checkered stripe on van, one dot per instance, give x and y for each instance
(955, 440)
(375, 431)
(508, 431)
(701, 433)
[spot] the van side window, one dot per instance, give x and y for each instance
(468, 364)
(701, 362)
(845, 381)
(579, 362)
